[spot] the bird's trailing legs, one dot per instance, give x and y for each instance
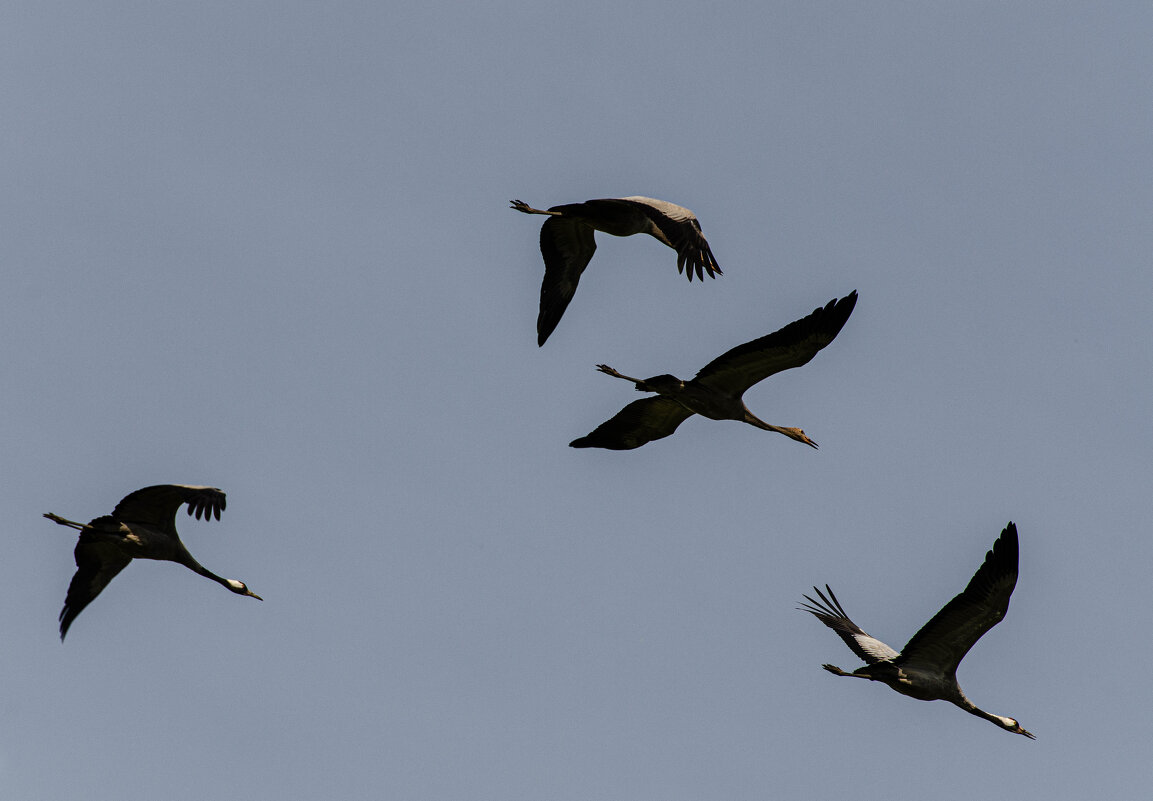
(836, 671)
(63, 522)
(640, 382)
(520, 205)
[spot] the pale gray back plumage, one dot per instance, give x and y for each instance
(829, 611)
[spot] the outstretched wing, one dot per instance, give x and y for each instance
(682, 232)
(567, 246)
(798, 342)
(97, 563)
(829, 611)
(641, 421)
(156, 506)
(943, 642)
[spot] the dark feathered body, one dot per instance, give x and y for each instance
(717, 390)
(142, 526)
(567, 244)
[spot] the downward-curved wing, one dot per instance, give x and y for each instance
(943, 642)
(797, 343)
(832, 615)
(640, 422)
(156, 506)
(97, 563)
(682, 232)
(567, 246)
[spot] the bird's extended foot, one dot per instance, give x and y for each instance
(836, 671)
(641, 385)
(520, 205)
(63, 522)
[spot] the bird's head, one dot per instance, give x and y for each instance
(240, 588)
(798, 435)
(1008, 724)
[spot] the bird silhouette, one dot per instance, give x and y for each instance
(926, 668)
(142, 526)
(567, 244)
(716, 391)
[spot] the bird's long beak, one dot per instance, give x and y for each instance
(797, 434)
(251, 594)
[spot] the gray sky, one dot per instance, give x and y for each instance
(266, 247)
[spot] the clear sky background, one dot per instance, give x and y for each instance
(266, 246)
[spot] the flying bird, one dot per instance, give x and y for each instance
(142, 526)
(716, 390)
(926, 668)
(567, 244)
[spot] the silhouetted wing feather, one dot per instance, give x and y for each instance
(567, 246)
(798, 342)
(944, 640)
(832, 615)
(640, 422)
(156, 506)
(683, 231)
(97, 563)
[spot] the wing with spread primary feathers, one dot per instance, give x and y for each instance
(156, 506)
(798, 342)
(943, 641)
(829, 611)
(683, 232)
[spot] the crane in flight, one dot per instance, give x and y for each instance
(142, 526)
(567, 244)
(716, 391)
(926, 668)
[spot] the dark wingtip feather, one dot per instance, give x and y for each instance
(1005, 552)
(67, 615)
(1010, 531)
(547, 321)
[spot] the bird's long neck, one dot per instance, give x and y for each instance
(232, 585)
(186, 559)
(963, 702)
(791, 433)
